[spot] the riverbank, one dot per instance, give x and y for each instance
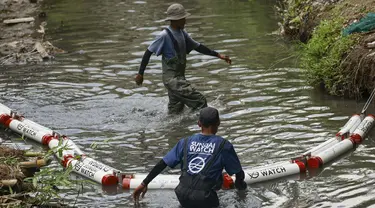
(27, 181)
(343, 65)
(15, 166)
(22, 23)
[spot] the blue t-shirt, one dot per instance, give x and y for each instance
(200, 151)
(163, 44)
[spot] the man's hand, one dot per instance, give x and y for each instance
(141, 189)
(225, 58)
(240, 185)
(242, 194)
(139, 79)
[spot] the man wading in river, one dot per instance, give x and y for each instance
(202, 157)
(174, 43)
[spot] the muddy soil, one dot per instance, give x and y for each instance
(23, 43)
(17, 194)
(359, 63)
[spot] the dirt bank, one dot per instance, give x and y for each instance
(23, 42)
(12, 177)
(18, 181)
(356, 67)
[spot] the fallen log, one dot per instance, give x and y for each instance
(34, 154)
(9, 182)
(18, 20)
(34, 164)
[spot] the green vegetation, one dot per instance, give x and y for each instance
(10, 160)
(339, 64)
(295, 14)
(47, 182)
(296, 10)
(42, 186)
(322, 55)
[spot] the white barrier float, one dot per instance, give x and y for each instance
(329, 154)
(106, 175)
(349, 127)
(253, 175)
(363, 129)
(273, 172)
(36, 126)
(102, 176)
(98, 165)
(343, 146)
(159, 182)
(25, 130)
(344, 132)
(69, 154)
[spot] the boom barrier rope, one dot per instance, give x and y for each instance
(367, 104)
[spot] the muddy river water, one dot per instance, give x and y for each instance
(268, 110)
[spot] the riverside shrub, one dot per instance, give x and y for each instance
(322, 55)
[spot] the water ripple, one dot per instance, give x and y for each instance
(267, 109)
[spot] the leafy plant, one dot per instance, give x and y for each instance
(95, 145)
(48, 180)
(322, 55)
(10, 160)
(294, 12)
(46, 183)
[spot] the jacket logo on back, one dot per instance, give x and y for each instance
(198, 147)
(196, 165)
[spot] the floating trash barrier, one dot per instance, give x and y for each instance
(348, 137)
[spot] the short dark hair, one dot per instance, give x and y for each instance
(209, 116)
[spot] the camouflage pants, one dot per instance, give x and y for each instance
(181, 93)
